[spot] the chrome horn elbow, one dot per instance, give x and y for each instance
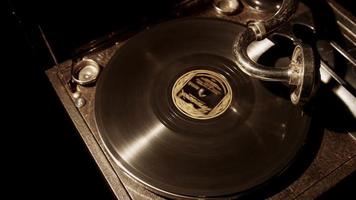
(299, 74)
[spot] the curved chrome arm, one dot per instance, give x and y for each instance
(294, 73)
(253, 69)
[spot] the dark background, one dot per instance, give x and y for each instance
(45, 156)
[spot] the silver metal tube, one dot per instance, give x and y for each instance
(258, 31)
(250, 67)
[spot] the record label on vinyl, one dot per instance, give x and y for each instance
(202, 94)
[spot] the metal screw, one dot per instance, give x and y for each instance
(79, 102)
(76, 95)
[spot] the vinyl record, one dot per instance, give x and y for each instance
(178, 116)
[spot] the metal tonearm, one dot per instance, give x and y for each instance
(300, 73)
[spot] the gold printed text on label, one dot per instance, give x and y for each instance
(202, 94)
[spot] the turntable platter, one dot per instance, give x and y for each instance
(179, 117)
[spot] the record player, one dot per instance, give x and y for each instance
(218, 99)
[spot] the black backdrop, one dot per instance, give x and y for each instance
(69, 24)
(45, 156)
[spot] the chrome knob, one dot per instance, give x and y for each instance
(264, 5)
(226, 7)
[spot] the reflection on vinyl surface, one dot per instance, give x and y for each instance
(254, 139)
